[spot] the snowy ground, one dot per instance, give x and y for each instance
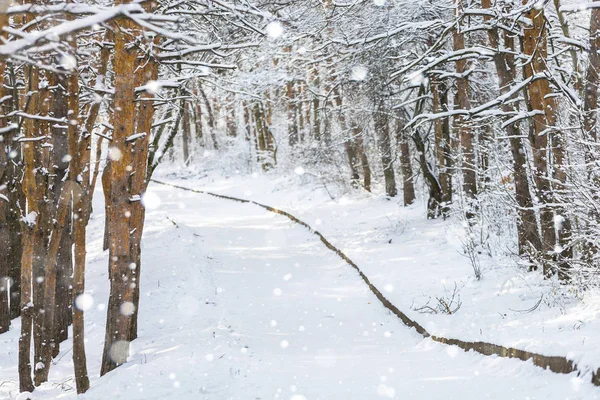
(414, 261)
(239, 303)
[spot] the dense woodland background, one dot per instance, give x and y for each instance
(486, 108)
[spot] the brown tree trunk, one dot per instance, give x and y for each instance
(292, 114)
(435, 191)
(364, 160)
(5, 206)
(382, 127)
(349, 142)
(442, 141)
(5, 244)
(527, 227)
(14, 193)
(212, 126)
(590, 97)
(198, 123)
(139, 185)
(408, 187)
(466, 135)
(128, 183)
(29, 228)
(48, 334)
(118, 324)
(300, 110)
(80, 207)
(315, 104)
(186, 134)
(590, 116)
(266, 153)
(81, 195)
(231, 116)
(535, 48)
(64, 266)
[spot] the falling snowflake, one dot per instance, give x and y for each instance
(359, 73)
(114, 154)
(127, 308)
(274, 29)
(119, 351)
(68, 62)
(150, 201)
(84, 302)
(152, 87)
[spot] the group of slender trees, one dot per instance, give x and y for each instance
(490, 106)
(80, 84)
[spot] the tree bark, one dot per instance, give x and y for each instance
(527, 228)
(535, 48)
(6, 175)
(435, 191)
(469, 164)
(292, 114)
(186, 134)
(382, 127)
(408, 187)
(198, 123)
(118, 324)
(231, 116)
(442, 141)
(349, 142)
(590, 98)
(29, 228)
(364, 159)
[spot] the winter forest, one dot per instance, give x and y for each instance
(299, 199)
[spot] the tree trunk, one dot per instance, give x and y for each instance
(382, 127)
(82, 381)
(212, 127)
(590, 97)
(139, 184)
(5, 206)
(315, 106)
(527, 228)
(231, 116)
(292, 114)
(64, 260)
(48, 333)
(469, 164)
(119, 204)
(300, 111)
(29, 229)
(364, 160)
(198, 123)
(535, 48)
(435, 191)
(186, 134)
(442, 141)
(408, 187)
(590, 117)
(349, 142)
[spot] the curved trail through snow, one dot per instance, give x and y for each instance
(363, 322)
(239, 303)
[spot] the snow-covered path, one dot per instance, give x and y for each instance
(239, 303)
